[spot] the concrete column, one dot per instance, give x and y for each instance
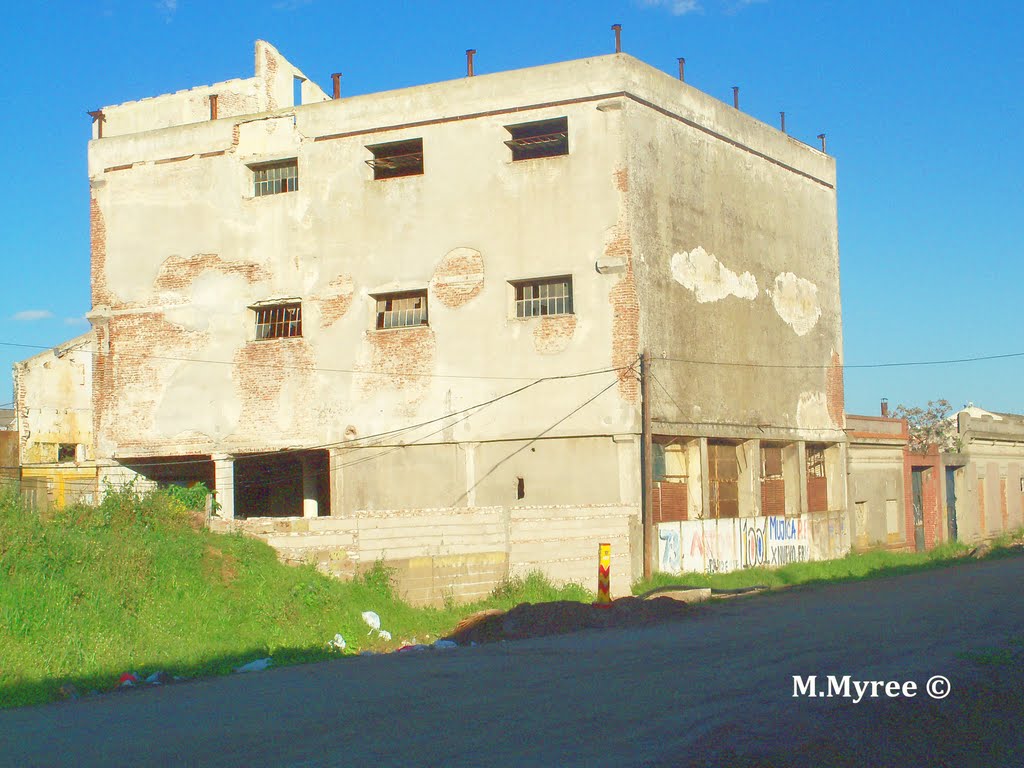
(335, 460)
(224, 484)
(310, 497)
(705, 474)
(801, 478)
(749, 454)
(794, 477)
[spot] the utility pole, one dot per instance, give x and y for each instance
(646, 466)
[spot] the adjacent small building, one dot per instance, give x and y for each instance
(54, 416)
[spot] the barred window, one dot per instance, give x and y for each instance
(274, 178)
(401, 310)
(815, 460)
(548, 296)
(278, 321)
(544, 138)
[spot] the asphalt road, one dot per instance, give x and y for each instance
(715, 689)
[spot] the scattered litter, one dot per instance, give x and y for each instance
(338, 642)
(127, 680)
(159, 678)
(417, 647)
(68, 691)
(255, 666)
(384, 634)
(372, 621)
(445, 644)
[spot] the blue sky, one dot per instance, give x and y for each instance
(921, 102)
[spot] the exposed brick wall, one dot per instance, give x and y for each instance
(179, 272)
(398, 363)
(261, 370)
(270, 71)
(129, 378)
(335, 301)
(773, 497)
(669, 502)
(459, 278)
(552, 335)
(834, 393)
(624, 300)
(931, 496)
(98, 237)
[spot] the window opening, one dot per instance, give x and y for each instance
(550, 296)
(275, 178)
(278, 321)
(543, 138)
(397, 158)
(401, 310)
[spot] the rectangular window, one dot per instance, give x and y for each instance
(548, 296)
(544, 138)
(275, 178)
(401, 310)
(723, 479)
(817, 481)
(278, 321)
(66, 452)
(397, 158)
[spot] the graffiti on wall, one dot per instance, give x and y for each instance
(719, 546)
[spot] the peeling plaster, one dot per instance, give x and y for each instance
(796, 301)
(812, 411)
(710, 279)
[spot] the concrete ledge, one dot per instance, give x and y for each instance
(693, 595)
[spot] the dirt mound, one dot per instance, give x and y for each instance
(559, 618)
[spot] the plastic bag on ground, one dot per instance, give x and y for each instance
(372, 621)
(338, 642)
(255, 666)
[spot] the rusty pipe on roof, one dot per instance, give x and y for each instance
(470, 52)
(336, 77)
(885, 407)
(736, 96)
(822, 137)
(682, 65)
(618, 37)
(213, 106)
(782, 119)
(98, 117)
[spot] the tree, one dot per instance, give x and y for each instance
(930, 425)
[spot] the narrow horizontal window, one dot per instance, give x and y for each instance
(275, 178)
(547, 296)
(397, 158)
(544, 138)
(401, 310)
(278, 321)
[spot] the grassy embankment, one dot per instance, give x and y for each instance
(87, 593)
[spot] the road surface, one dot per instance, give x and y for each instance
(714, 689)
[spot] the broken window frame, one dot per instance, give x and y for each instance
(275, 178)
(815, 456)
(539, 138)
(534, 298)
(390, 317)
(717, 481)
(396, 158)
(281, 320)
(67, 452)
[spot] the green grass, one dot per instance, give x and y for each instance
(864, 565)
(89, 593)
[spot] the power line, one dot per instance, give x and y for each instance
(845, 366)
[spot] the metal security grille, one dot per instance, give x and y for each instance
(817, 481)
(544, 297)
(402, 310)
(279, 321)
(773, 485)
(724, 475)
(276, 178)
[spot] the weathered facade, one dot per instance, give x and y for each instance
(53, 403)
(410, 323)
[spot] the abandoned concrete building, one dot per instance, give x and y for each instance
(409, 325)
